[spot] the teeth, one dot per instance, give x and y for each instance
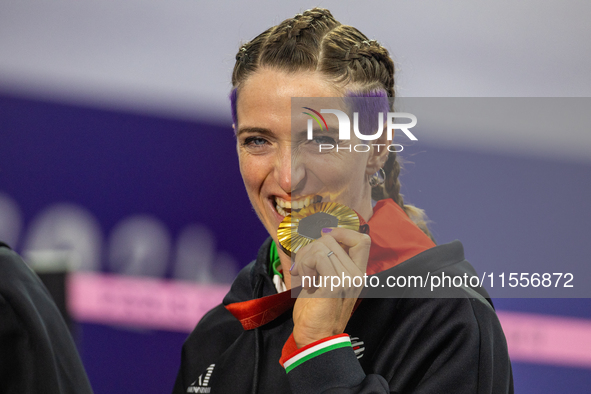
(281, 211)
(282, 203)
(284, 207)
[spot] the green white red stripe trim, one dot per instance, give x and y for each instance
(317, 348)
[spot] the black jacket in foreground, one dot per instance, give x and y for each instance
(410, 345)
(37, 353)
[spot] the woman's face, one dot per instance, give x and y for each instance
(281, 168)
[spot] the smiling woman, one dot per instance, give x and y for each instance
(277, 180)
(260, 339)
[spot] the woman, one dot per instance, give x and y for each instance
(258, 340)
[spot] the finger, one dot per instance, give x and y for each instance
(296, 260)
(314, 260)
(359, 244)
(345, 268)
(348, 237)
(343, 262)
(319, 256)
(336, 262)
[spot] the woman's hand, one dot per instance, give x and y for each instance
(320, 312)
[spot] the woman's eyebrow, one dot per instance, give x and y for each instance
(330, 131)
(257, 130)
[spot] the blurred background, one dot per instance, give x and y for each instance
(119, 181)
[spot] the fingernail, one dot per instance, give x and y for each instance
(292, 265)
(326, 230)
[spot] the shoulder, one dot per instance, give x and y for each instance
(422, 276)
(218, 324)
(18, 283)
(242, 286)
(33, 333)
(445, 292)
(253, 281)
(11, 263)
(214, 334)
(426, 318)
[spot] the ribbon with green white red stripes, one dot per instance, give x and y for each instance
(316, 349)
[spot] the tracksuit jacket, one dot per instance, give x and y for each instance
(37, 353)
(411, 340)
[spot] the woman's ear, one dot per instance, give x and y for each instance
(379, 153)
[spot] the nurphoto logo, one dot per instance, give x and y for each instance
(345, 129)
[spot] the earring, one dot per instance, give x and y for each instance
(378, 178)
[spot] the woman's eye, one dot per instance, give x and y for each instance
(254, 142)
(323, 139)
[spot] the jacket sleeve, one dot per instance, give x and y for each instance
(438, 346)
(38, 353)
(328, 365)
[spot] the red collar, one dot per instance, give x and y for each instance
(394, 239)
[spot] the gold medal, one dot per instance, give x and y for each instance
(303, 227)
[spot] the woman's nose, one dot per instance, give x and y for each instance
(289, 172)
